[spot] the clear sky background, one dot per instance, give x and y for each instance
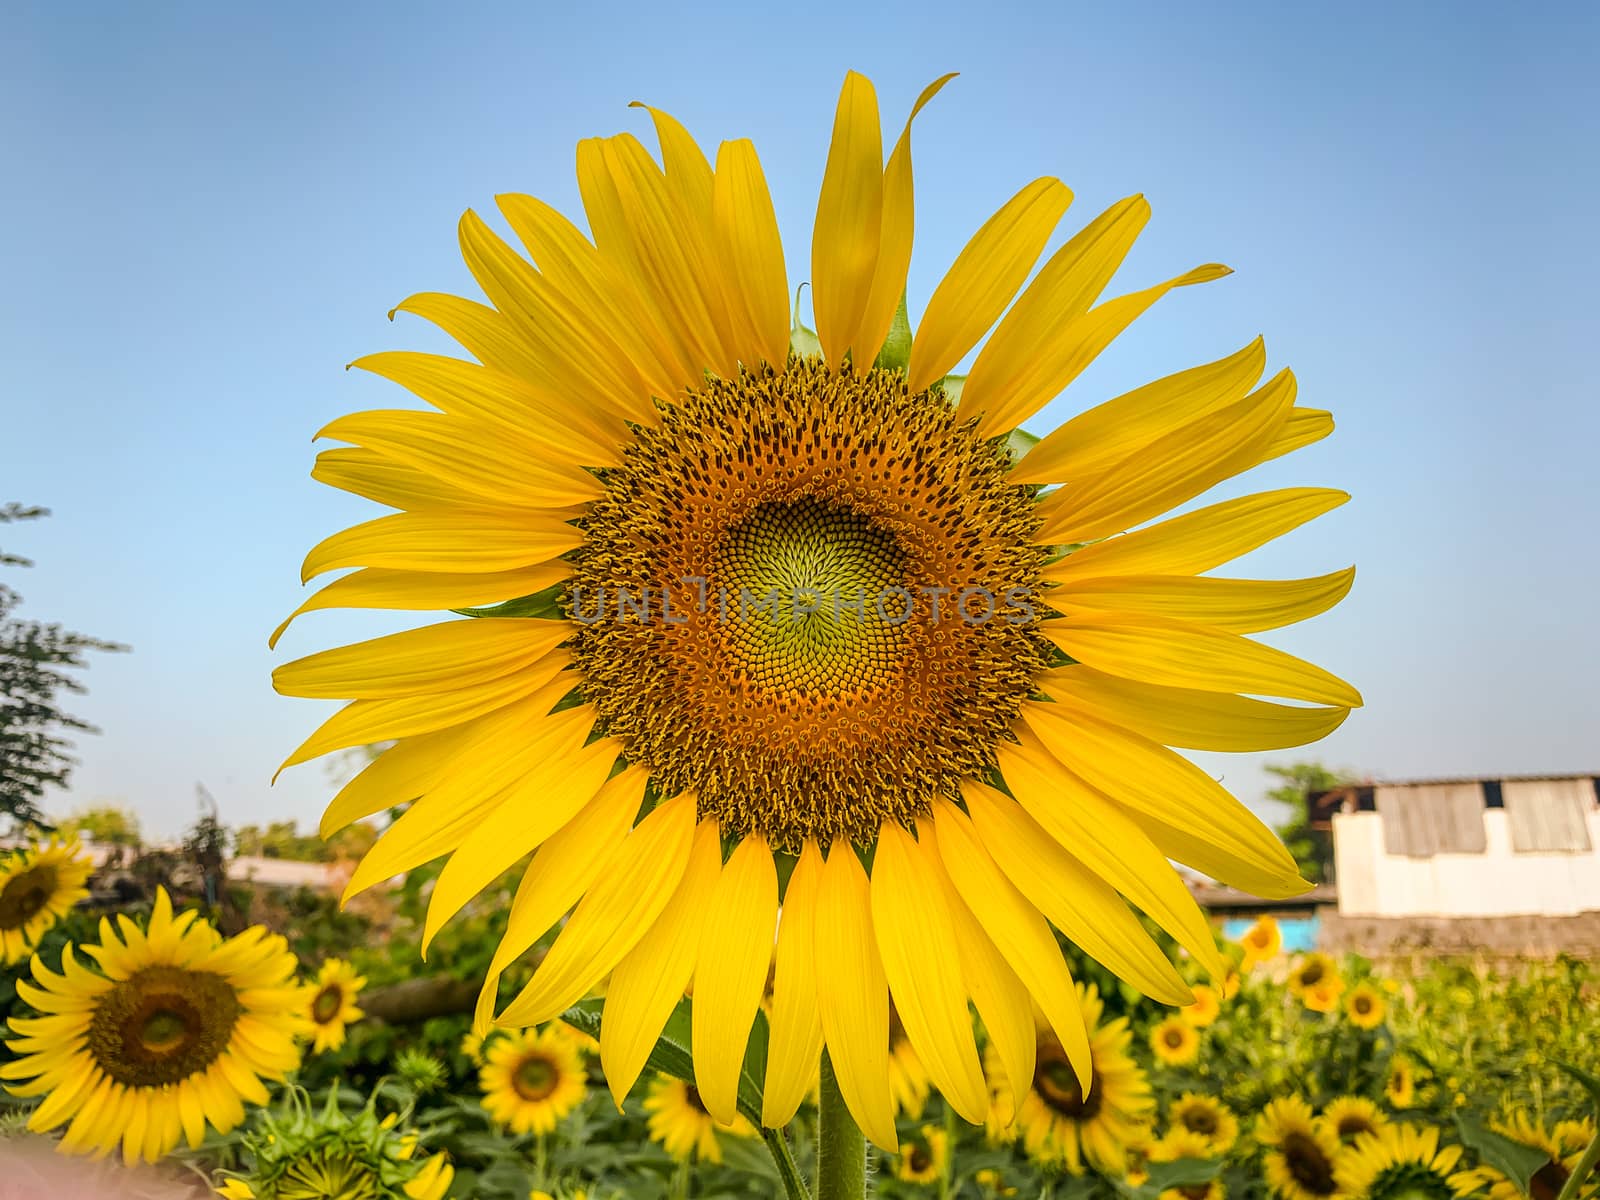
(206, 210)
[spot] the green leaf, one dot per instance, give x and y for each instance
(1180, 1173)
(671, 1054)
(545, 604)
(896, 352)
(803, 341)
(1511, 1158)
(1019, 442)
(1590, 1082)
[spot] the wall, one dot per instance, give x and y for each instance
(1495, 883)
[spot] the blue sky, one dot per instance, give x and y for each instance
(207, 211)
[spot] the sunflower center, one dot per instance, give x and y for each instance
(1200, 1120)
(807, 598)
(1057, 1085)
(1174, 1038)
(1352, 1126)
(1307, 1164)
(691, 1097)
(1362, 1005)
(919, 1159)
(535, 1078)
(25, 895)
(1547, 1181)
(328, 1004)
(162, 1025)
(1311, 974)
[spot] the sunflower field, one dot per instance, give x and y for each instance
(1291, 1077)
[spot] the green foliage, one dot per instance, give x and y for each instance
(107, 824)
(283, 839)
(34, 660)
(1302, 781)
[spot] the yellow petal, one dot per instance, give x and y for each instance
(794, 1042)
(424, 591)
(1081, 342)
(652, 977)
(894, 242)
(540, 417)
(561, 871)
(489, 336)
(560, 775)
(580, 358)
(686, 168)
(1188, 717)
(1171, 470)
(473, 542)
(1189, 815)
(752, 255)
(1037, 351)
(1107, 841)
(475, 457)
(731, 971)
(853, 994)
(1180, 654)
(849, 227)
(1237, 605)
(398, 775)
(364, 722)
(638, 880)
(419, 662)
(491, 759)
(997, 993)
(599, 285)
(1016, 928)
(1304, 427)
(921, 958)
(1075, 898)
(984, 278)
(1094, 440)
(1200, 540)
(370, 475)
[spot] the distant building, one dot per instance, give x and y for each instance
(1500, 865)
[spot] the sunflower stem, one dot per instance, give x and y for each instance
(1586, 1166)
(841, 1149)
(794, 1187)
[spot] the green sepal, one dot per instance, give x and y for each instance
(671, 1053)
(1180, 1173)
(951, 386)
(1019, 442)
(1511, 1158)
(895, 354)
(802, 341)
(545, 604)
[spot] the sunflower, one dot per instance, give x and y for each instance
(1365, 1006)
(1062, 1122)
(1261, 941)
(1563, 1146)
(531, 1080)
(1180, 1143)
(1403, 1160)
(679, 1121)
(1301, 1153)
(1207, 1118)
(179, 1028)
(1351, 1116)
(908, 1082)
(331, 1003)
(803, 595)
(1312, 978)
(1400, 1087)
(1175, 1042)
(924, 1158)
(471, 1047)
(1206, 1008)
(38, 886)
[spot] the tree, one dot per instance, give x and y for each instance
(283, 839)
(1302, 781)
(107, 824)
(33, 660)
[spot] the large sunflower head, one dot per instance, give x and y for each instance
(177, 1028)
(1207, 1118)
(1302, 1154)
(679, 1121)
(812, 596)
(1403, 1162)
(531, 1080)
(330, 1003)
(38, 886)
(1065, 1123)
